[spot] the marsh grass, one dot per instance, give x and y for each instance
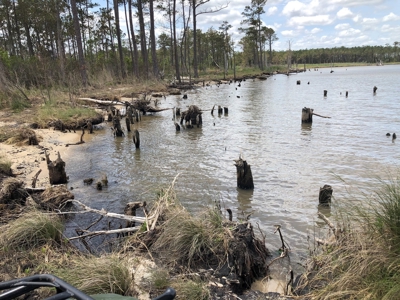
(109, 273)
(31, 230)
(5, 164)
(365, 262)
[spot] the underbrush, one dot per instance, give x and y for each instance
(363, 262)
(5, 164)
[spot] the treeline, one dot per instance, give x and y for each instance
(46, 42)
(76, 42)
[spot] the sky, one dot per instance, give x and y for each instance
(308, 24)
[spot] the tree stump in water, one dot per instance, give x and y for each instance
(244, 175)
(325, 93)
(89, 127)
(128, 124)
(374, 89)
(117, 126)
(136, 138)
(325, 195)
(192, 116)
(225, 110)
(56, 169)
(306, 115)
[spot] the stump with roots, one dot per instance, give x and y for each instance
(244, 175)
(192, 116)
(325, 195)
(117, 126)
(56, 169)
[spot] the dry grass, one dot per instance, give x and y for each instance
(31, 230)
(20, 136)
(365, 261)
(5, 164)
(190, 289)
(109, 273)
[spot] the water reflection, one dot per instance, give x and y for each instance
(244, 198)
(306, 128)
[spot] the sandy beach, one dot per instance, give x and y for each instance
(28, 160)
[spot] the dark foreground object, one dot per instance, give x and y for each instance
(244, 175)
(23, 286)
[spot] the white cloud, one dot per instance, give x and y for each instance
(342, 26)
(310, 20)
(294, 8)
(390, 17)
(272, 10)
(387, 28)
(369, 21)
(344, 13)
(357, 18)
(351, 32)
(288, 33)
(315, 30)
(357, 2)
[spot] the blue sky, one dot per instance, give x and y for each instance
(308, 24)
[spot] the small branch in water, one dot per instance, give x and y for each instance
(320, 116)
(130, 229)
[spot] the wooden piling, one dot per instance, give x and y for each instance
(219, 109)
(325, 195)
(306, 115)
(117, 126)
(325, 93)
(347, 94)
(244, 175)
(374, 89)
(225, 110)
(298, 82)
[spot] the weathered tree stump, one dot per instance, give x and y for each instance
(178, 111)
(130, 210)
(129, 114)
(325, 93)
(306, 115)
(89, 126)
(298, 82)
(244, 175)
(192, 116)
(220, 110)
(177, 127)
(128, 124)
(225, 110)
(212, 110)
(136, 138)
(347, 94)
(32, 139)
(117, 126)
(325, 195)
(374, 89)
(56, 169)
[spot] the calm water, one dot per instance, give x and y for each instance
(289, 161)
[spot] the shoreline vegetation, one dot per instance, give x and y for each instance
(359, 258)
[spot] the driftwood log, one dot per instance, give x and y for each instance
(244, 175)
(56, 169)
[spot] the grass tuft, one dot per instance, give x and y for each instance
(97, 275)
(5, 164)
(31, 230)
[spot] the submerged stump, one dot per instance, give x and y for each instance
(325, 195)
(306, 115)
(244, 175)
(136, 138)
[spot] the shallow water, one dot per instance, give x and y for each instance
(289, 161)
